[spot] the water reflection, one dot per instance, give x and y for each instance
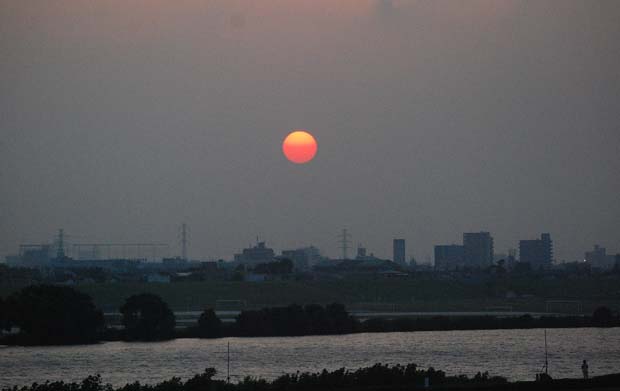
(518, 354)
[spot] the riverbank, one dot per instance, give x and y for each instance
(261, 327)
(423, 294)
(372, 325)
(55, 315)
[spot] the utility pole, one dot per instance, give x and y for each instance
(546, 357)
(228, 365)
(344, 241)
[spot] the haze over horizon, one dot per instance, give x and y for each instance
(121, 121)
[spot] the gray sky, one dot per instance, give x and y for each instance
(120, 120)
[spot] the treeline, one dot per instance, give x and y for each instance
(47, 315)
(487, 322)
(296, 320)
(50, 315)
(293, 320)
(60, 315)
(378, 376)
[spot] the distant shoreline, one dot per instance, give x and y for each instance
(53, 315)
(8, 341)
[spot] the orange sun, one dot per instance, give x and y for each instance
(299, 147)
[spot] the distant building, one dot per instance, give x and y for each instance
(599, 259)
(362, 255)
(399, 256)
(254, 255)
(303, 258)
(347, 267)
(159, 278)
(298, 257)
(477, 249)
(32, 255)
(176, 263)
(449, 257)
(114, 265)
(538, 252)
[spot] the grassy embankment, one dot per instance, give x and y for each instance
(419, 294)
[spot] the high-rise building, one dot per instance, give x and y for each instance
(448, 257)
(538, 252)
(399, 252)
(477, 249)
(598, 258)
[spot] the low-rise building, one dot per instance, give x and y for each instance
(254, 255)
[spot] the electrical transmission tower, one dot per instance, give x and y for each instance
(345, 239)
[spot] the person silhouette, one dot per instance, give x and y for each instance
(584, 369)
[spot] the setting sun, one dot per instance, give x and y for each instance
(299, 147)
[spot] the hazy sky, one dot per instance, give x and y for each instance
(119, 120)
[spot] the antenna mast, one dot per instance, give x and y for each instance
(546, 359)
(228, 365)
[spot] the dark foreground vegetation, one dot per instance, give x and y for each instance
(53, 315)
(376, 377)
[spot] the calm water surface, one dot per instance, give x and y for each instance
(517, 354)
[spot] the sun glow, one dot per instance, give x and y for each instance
(299, 147)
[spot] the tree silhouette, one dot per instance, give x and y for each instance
(146, 317)
(5, 324)
(209, 325)
(47, 314)
(602, 317)
(295, 320)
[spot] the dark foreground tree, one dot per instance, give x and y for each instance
(295, 320)
(47, 314)
(209, 325)
(602, 317)
(4, 315)
(146, 317)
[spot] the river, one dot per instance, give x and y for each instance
(517, 354)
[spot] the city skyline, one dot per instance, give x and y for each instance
(537, 252)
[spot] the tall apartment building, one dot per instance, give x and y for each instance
(399, 252)
(538, 252)
(477, 249)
